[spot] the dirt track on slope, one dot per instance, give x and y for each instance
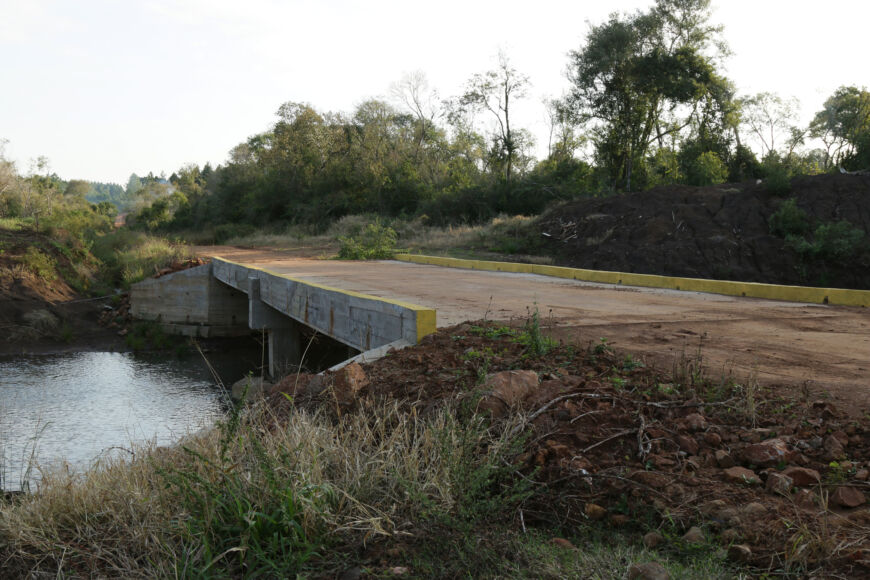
(825, 349)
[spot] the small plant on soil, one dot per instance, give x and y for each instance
(532, 337)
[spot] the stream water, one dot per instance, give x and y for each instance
(81, 406)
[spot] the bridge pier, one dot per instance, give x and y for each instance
(284, 333)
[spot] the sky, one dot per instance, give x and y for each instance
(106, 88)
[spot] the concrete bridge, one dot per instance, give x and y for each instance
(774, 334)
(223, 298)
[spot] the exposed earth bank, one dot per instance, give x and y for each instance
(40, 310)
(722, 232)
(683, 464)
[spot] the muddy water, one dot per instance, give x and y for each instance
(80, 407)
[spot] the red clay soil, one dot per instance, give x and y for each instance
(637, 449)
(720, 232)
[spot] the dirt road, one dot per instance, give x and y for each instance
(825, 348)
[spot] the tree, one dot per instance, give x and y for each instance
(640, 78)
(493, 91)
(412, 91)
(77, 188)
(134, 184)
(772, 120)
(843, 125)
(563, 138)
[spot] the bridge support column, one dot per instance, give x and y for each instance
(284, 349)
(284, 334)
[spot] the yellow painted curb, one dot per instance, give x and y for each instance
(425, 317)
(807, 294)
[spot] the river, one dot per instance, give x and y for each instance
(80, 406)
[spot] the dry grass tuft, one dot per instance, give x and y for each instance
(370, 473)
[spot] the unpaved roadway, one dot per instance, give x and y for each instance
(824, 349)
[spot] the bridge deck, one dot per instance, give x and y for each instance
(780, 342)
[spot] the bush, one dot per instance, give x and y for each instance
(837, 241)
(707, 169)
(789, 220)
(777, 176)
(376, 242)
(40, 264)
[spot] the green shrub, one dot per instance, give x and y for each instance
(789, 220)
(837, 241)
(376, 242)
(40, 264)
(707, 169)
(777, 176)
(832, 241)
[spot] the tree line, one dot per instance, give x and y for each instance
(647, 106)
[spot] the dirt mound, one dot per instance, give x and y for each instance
(776, 483)
(719, 232)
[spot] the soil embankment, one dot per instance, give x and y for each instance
(40, 310)
(720, 232)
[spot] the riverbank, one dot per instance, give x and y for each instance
(59, 294)
(485, 451)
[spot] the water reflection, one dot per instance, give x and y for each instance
(78, 406)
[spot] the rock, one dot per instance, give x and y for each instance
(594, 511)
(739, 553)
(695, 422)
(712, 439)
(768, 453)
(723, 459)
(348, 381)
(653, 479)
(741, 475)
(648, 571)
(753, 510)
(694, 536)
(862, 474)
(848, 497)
(805, 498)
(712, 507)
(507, 389)
(687, 444)
(802, 476)
(662, 462)
(563, 543)
(399, 570)
(841, 436)
(833, 449)
(256, 387)
(778, 483)
(619, 520)
(730, 536)
(653, 539)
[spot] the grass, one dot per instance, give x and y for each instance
(130, 256)
(309, 494)
(502, 235)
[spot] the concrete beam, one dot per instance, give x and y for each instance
(357, 320)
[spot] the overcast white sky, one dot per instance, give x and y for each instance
(105, 88)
